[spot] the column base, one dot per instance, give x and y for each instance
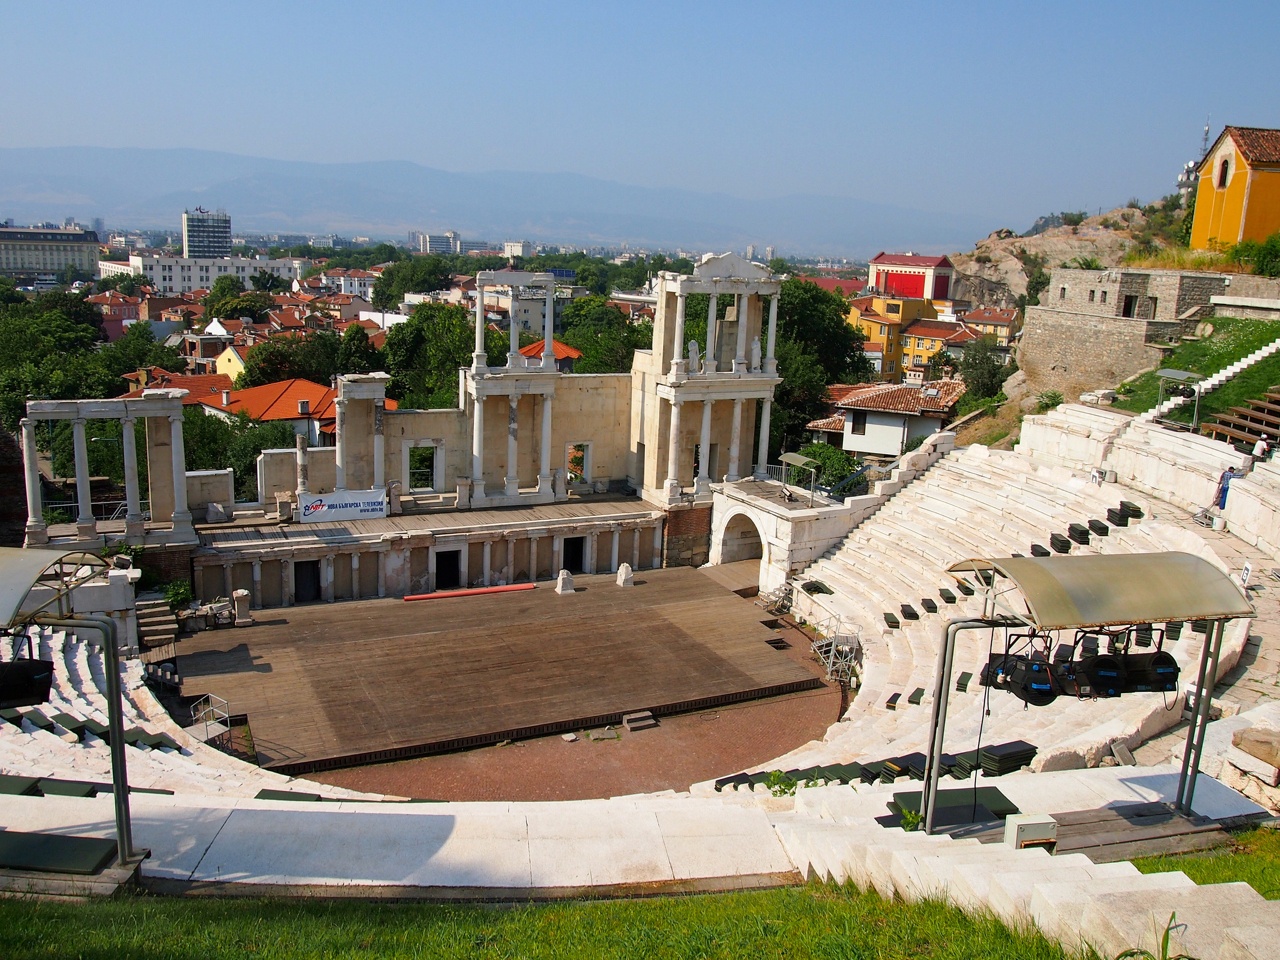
(771, 368)
(679, 369)
(732, 478)
(544, 484)
(709, 366)
(87, 531)
(37, 534)
(672, 489)
(512, 487)
(740, 366)
(514, 361)
(549, 362)
(477, 490)
(701, 485)
(479, 364)
(135, 529)
(761, 474)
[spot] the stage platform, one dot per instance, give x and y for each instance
(333, 685)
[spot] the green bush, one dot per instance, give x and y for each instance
(178, 594)
(1048, 400)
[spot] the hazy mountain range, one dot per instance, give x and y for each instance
(150, 188)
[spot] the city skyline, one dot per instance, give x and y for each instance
(999, 113)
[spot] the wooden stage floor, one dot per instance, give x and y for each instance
(331, 685)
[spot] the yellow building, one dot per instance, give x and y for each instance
(881, 319)
(231, 360)
(1238, 196)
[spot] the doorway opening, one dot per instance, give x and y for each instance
(448, 569)
(306, 581)
(574, 554)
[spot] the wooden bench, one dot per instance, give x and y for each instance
(947, 596)
(891, 621)
(930, 605)
(1099, 528)
(892, 702)
(917, 695)
(962, 685)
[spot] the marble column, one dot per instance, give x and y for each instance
(762, 446)
(548, 327)
(704, 449)
(340, 445)
(514, 359)
(304, 487)
(326, 578)
(86, 527)
(382, 573)
(379, 445)
(544, 457)
(257, 584)
(509, 568)
(477, 449)
(431, 569)
(735, 441)
(673, 452)
(657, 545)
(635, 548)
(770, 363)
(464, 563)
(134, 525)
(228, 581)
(181, 515)
(613, 551)
(709, 358)
(486, 555)
(355, 576)
(286, 582)
(680, 350)
(533, 559)
(513, 447)
(590, 549)
(740, 353)
(37, 532)
(479, 361)
(557, 555)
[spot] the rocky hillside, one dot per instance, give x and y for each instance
(997, 270)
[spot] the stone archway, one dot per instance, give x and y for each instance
(740, 540)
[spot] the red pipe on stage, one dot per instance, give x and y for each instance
(473, 592)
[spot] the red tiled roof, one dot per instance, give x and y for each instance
(1256, 144)
(838, 392)
(847, 288)
(991, 315)
(934, 329)
(829, 424)
(899, 398)
(199, 386)
(279, 401)
(872, 348)
(562, 351)
(909, 260)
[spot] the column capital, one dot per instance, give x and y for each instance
(81, 421)
(173, 418)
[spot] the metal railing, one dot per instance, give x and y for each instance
(211, 719)
(102, 509)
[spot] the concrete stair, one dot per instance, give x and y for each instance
(1211, 383)
(156, 623)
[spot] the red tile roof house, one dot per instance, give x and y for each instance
(118, 311)
(881, 420)
(307, 407)
(847, 288)
(199, 387)
(565, 355)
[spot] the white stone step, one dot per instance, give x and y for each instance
(1009, 892)
(1057, 906)
(1253, 942)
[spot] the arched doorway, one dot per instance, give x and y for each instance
(741, 540)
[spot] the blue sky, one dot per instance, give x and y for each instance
(1007, 110)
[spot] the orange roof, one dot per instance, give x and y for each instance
(1257, 144)
(935, 329)
(844, 287)
(909, 260)
(279, 401)
(562, 351)
(991, 315)
(829, 424)
(199, 387)
(839, 392)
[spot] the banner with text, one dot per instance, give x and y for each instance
(343, 505)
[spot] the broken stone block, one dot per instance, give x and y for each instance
(1260, 743)
(625, 577)
(564, 582)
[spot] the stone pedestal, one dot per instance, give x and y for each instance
(240, 598)
(564, 582)
(624, 576)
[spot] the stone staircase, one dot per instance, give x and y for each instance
(1111, 907)
(1212, 383)
(157, 625)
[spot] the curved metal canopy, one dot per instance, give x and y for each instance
(1099, 591)
(23, 570)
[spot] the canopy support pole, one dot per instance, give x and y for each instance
(1205, 682)
(938, 717)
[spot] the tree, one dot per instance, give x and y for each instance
(800, 397)
(981, 368)
(313, 358)
(423, 355)
(9, 292)
(268, 282)
(810, 315)
(213, 443)
(357, 354)
(942, 364)
(415, 275)
(225, 288)
(779, 266)
(607, 339)
(837, 464)
(1263, 258)
(130, 284)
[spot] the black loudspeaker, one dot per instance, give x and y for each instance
(25, 683)
(1031, 681)
(1105, 673)
(1147, 672)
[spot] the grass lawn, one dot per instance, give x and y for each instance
(1232, 339)
(816, 920)
(1252, 857)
